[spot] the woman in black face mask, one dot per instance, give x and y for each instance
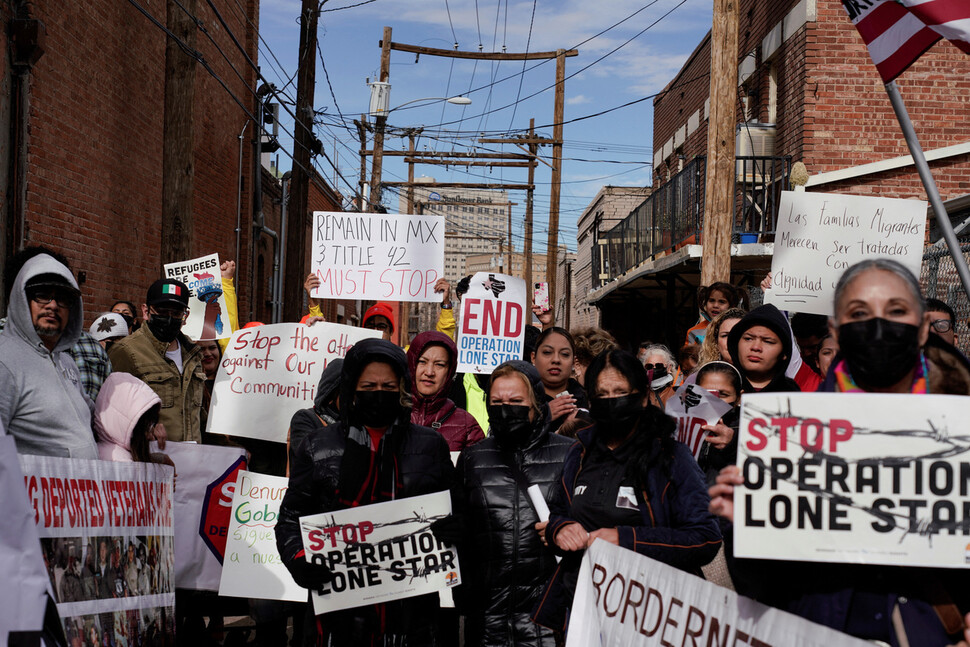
(372, 454)
(628, 482)
(507, 563)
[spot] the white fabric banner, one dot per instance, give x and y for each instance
(862, 478)
(387, 257)
(208, 313)
(624, 598)
(381, 552)
(268, 373)
(493, 320)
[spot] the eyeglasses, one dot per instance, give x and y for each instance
(383, 327)
(174, 313)
(64, 298)
(941, 325)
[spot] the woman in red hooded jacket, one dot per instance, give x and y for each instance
(432, 361)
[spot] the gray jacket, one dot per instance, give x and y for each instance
(41, 402)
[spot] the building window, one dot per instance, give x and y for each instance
(772, 93)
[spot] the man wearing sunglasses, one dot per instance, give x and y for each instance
(42, 404)
(166, 360)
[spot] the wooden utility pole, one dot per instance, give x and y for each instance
(380, 122)
(405, 306)
(527, 245)
(553, 239)
(178, 146)
(297, 216)
(719, 190)
(362, 134)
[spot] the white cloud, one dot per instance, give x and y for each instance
(577, 99)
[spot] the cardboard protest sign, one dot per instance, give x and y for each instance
(203, 502)
(208, 313)
(388, 257)
(854, 477)
(820, 235)
(106, 532)
(253, 567)
(694, 407)
(493, 320)
(381, 552)
(625, 598)
(268, 373)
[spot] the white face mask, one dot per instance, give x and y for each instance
(661, 382)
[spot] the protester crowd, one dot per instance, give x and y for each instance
(577, 416)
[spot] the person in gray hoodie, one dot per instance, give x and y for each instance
(42, 404)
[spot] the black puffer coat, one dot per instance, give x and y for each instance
(505, 565)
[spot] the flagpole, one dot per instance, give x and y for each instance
(932, 191)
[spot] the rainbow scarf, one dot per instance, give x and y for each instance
(845, 384)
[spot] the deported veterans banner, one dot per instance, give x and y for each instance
(864, 478)
(208, 313)
(106, 532)
(381, 552)
(252, 567)
(624, 598)
(820, 235)
(694, 407)
(268, 373)
(491, 329)
(388, 257)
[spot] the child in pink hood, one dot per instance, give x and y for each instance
(126, 419)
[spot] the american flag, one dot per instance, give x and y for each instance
(897, 32)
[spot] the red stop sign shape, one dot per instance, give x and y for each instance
(217, 509)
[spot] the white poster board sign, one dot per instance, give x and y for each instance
(862, 478)
(694, 407)
(820, 235)
(381, 552)
(388, 257)
(208, 313)
(624, 598)
(493, 320)
(268, 373)
(253, 567)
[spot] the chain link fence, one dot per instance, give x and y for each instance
(940, 280)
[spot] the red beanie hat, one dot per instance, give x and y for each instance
(381, 309)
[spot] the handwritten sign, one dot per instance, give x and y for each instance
(694, 407)
(493, 321)
(381, 552)
(820, 235)
(387, 257)
(253, 567)
(208, 313)
(864, 478)
(268, 373)
(624, 598)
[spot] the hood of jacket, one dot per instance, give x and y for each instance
(431, 404)
(122, 401)
(363, 353)
(19, 321)
(772, 318)
(541, 425)
(328, 388)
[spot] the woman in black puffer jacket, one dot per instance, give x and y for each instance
(506, 564)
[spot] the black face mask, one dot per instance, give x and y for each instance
(616, 416)
(129, 321)
(165, 329)
(377, 408)
(509, 423)
(879, 352)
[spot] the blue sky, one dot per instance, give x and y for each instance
(615, 148)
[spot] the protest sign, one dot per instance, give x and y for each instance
(208, 312)
(854, 477)
(268, 373)
(253, 567)
(694, 407)
(821, 234)
(493, 321)
(625, 598)
(388, 257)
(203, 503)
(106, 533)
(381, 552)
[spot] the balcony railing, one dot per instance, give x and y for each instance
(673, 215)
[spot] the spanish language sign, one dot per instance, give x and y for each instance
(694, 407)
(268, 373)
(819, 235)
(253, 567)
(493, 320)
(625, 598)
(389, 257)
(106, 531)
(208, 313)
(381, 552)
(865, 478)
